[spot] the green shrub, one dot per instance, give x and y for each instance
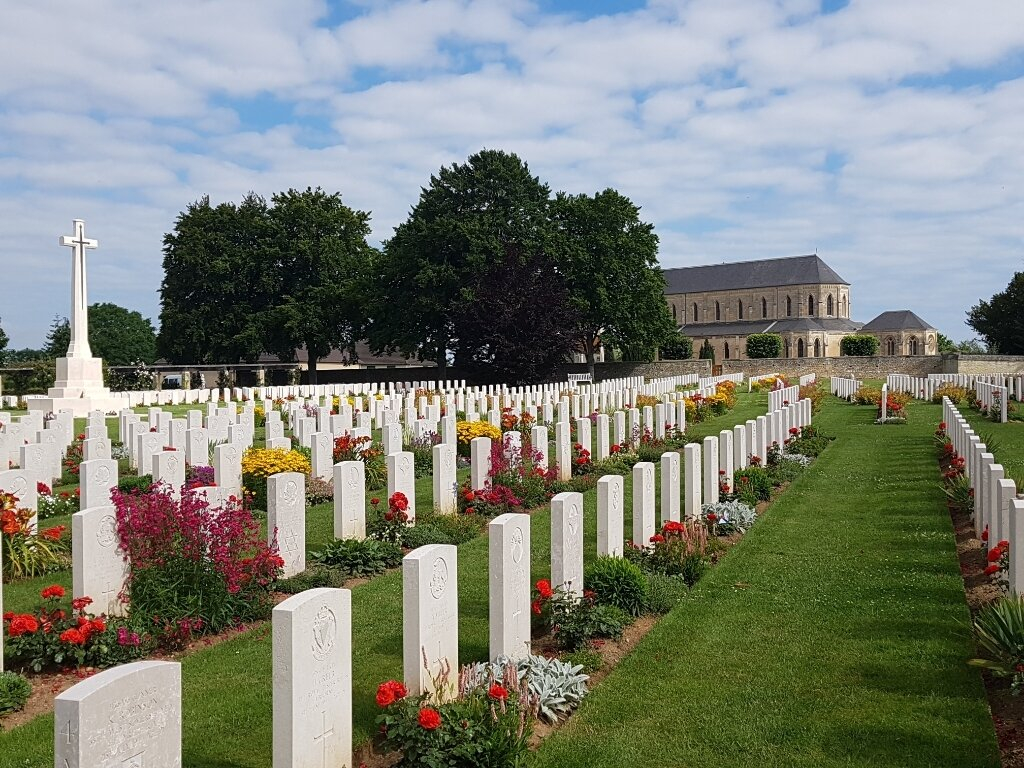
(140, 483)
(858, 345)
(677, 347)
(314, 576)
(618, 582)
(752, 484)
(14, 692)
(999, 632)
(355, 557)
(665, 592)
(587, 658)
(761, 345)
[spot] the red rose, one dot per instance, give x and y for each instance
(994, 554)
(984, 534)
(712, 517)
(497, 692)
(470, 511)
(992, 569)
(81, 602)
(98, 625)
(544, 587)
(22, 624)
(54, 590)
(390, 692)
(429, 718)
(73, 636)
(657, 538)
(375, 501)
(469, 496)
(535, 606)
(1003, 544)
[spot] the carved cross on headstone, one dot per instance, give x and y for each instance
(78, 242)
(322, 738)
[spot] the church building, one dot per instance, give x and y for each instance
(801, 298)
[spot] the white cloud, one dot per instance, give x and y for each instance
(743, 129)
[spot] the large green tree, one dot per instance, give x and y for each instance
(472, 219)
(610, 259)
(1000, 320)
(318, 247)
(120, 336)
(218, 283)
(3, 345)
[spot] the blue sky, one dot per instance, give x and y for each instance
(884, 135)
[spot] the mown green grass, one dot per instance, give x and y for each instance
(227, 688)
(834, 634)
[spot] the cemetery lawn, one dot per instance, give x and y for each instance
(834, 634)
(227, 687)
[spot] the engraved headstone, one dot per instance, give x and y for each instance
(670, 489)
(98, 569)
(430, 617)
(227, 468)
(401, 469)
(692, 481)
(643, 503)
(567, 542)
(610, 512)
(127, 716)
(445, 487)
(96, 478)
(350, 500)
(312, 699)
(286, 517)
(509, 569)
(169, 468)
(322, 455)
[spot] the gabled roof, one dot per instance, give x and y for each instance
(785, 325)
(898, 320)
(740, 275)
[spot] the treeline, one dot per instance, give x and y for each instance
(490, 272)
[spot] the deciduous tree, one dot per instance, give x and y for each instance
(1000, 320)
(610, 259)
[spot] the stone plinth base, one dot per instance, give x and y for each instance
(78, 376)
(79, 406)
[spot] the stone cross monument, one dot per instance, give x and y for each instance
(78, 243)
(79, 384)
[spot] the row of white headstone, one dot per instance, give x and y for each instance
(997, 507)
(781, 398)
(844, 387)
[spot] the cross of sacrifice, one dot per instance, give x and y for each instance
(78, 243)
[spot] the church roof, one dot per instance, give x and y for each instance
(786, 325)
(897, 320)
(740, 275)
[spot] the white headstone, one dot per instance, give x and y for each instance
(350, 500)
(711, 476)
(567, 542)
(610, 513)
(670, 488)
(127, 716)
(643, 503)
(509, 569)
(479, 461)
(692, 482)
(227, 468)
(322, 454)
(286, 516)
(169, 467)
(445, 487)
(98, 569)
(401, 469)
(430, 616)
(312, 661)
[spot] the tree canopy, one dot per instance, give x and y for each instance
(610, 259)
(764, 345)
(252, 278)
(3, 345)
(120, 336)
(1000, 321)
(477, 230)
(859, 345)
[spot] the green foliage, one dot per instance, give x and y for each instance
(610, 258)
(431, 528)
(24, 554)
(355, 557)
(557, 686)
(574, 621)
(945, 344)
(999, 632)
(587, 659)
(319, 253)
(133, 483)
(14, 692)
(707, 352)
(665, 592)
(118, 335)
(459, 276)
(4, 338)
(618, 582)
(999, 320)
(752, 485)
(858, 345)
(761, 345)
(677, 347)
(469, 727)
(40, 375)
(314, 576)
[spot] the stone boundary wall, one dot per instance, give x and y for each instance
(982, 365)
(854, 367)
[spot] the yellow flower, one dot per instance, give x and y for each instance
(263, 462)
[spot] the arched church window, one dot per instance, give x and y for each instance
(740, 310)
(810, 306)
(789, 307)
(718, 311)
(800, 348)
(764, 308)
(695, 311)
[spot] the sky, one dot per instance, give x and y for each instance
(884, 135)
